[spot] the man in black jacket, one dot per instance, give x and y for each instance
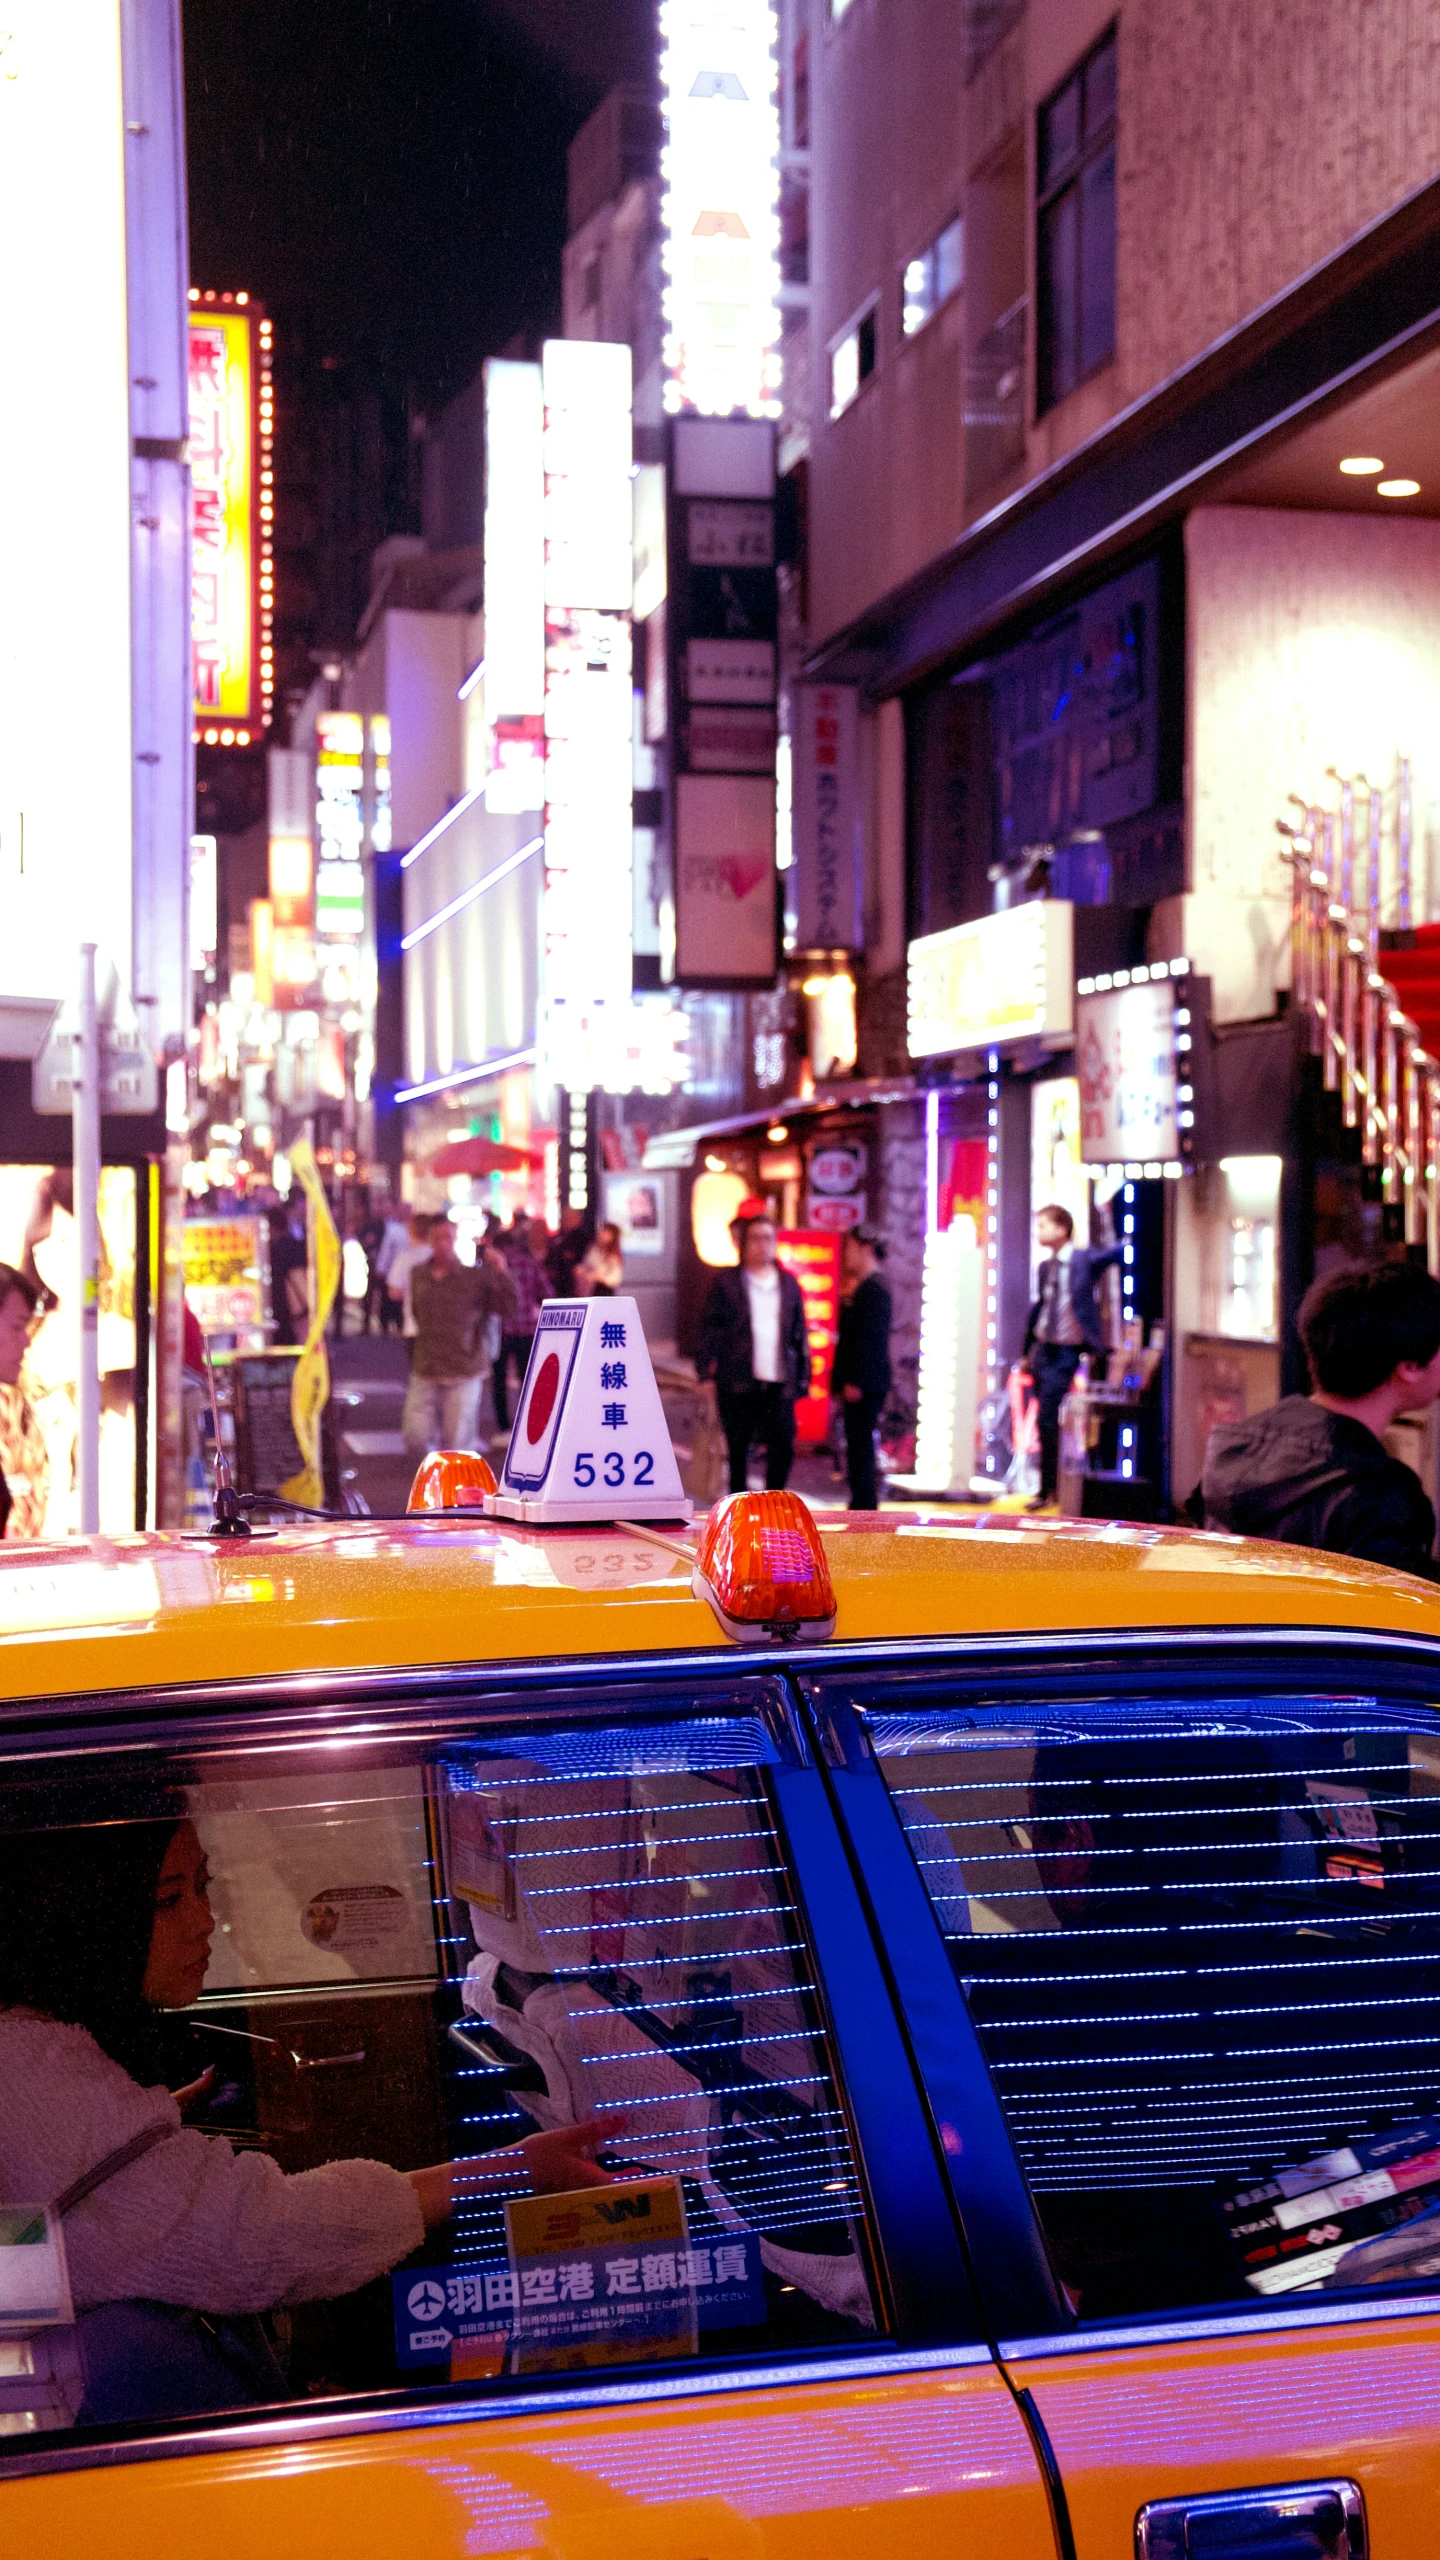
(1064, 1323)
(861, 1374)
(1313, 1469)
(755, 1351)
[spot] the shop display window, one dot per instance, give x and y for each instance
(38, 1419)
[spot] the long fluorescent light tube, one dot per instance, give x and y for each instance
(466, 1075)
(468, 896)
(471, 681)
(440, 826)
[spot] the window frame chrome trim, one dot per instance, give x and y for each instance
(1234, 2324)
(547, 2398)
(309, 1699)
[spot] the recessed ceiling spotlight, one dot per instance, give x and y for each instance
(1397, 488)
(1361, 466)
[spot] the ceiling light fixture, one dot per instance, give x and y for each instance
(1397, 488)
(1362, 466)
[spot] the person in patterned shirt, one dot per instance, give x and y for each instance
(23, 1447)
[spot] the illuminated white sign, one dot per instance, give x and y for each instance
(950, 1291)
(66, 469)
(1003, 978)
(339, 826)
(1130, 1074)
(514, 586)
(721, 207)
(588, 698)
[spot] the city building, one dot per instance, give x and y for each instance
(1107, 416)
(96, 766)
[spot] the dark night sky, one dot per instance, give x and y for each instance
(391, 178)
(388, 178)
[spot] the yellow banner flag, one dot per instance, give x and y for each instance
(310, 1387)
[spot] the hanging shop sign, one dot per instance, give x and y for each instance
(1137, 1060)
(1002, 979)
(589, 710)
(835, 1199)
(721, 207)
(339, 826)
(828, 878)
(721, 623)
(232, 509)
(514, 586)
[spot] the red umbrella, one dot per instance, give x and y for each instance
(483, 1155)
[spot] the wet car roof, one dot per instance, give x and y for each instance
(147, 1611)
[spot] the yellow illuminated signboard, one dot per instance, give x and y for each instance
(1005, 977)
(224, 638)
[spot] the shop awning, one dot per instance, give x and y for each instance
(482, 1155)
(672, 1149)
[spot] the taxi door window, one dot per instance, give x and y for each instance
(405, 2067)
(1200, 1946)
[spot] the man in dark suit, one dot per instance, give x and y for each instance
(1064, 1324)
(755, 1352)
(861, 1374)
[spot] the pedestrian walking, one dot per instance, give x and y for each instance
(755, 1353)
(518, 1246)
(1314, 1469)
(450, 1302)
(1064, 1323)
(390, 1274)
(289, 1274)
(601, 1272)
(565, 1253)
(19, 1299)
(860, 1376)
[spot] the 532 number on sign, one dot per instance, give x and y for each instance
(612, 1469)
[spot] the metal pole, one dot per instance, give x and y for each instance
(85, 1122)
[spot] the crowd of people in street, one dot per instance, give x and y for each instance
(1318, 1469)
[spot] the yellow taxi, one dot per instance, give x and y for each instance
(596, 2036)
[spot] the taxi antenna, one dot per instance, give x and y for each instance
(229, 1520)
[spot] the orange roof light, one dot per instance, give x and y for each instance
(762, 1568)
(451, 1480)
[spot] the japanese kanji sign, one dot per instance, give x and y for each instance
(223, 518)
(828, 878)
(590, 1440)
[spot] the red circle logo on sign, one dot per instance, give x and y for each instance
(542, 1398)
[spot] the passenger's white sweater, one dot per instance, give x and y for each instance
(193, 2221)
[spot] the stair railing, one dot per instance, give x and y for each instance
(1370, 1051)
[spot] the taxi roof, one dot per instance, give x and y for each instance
(143, 1612)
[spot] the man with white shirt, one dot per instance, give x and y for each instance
(755, 1352)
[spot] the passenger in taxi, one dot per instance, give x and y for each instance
(105, 1927)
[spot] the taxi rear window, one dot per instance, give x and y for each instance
(392, 2069)
(1200, 1945)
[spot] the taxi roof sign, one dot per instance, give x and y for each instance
(590, 1440)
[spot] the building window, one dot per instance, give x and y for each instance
(1076, 232)
(852, 360)
(931, 278)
